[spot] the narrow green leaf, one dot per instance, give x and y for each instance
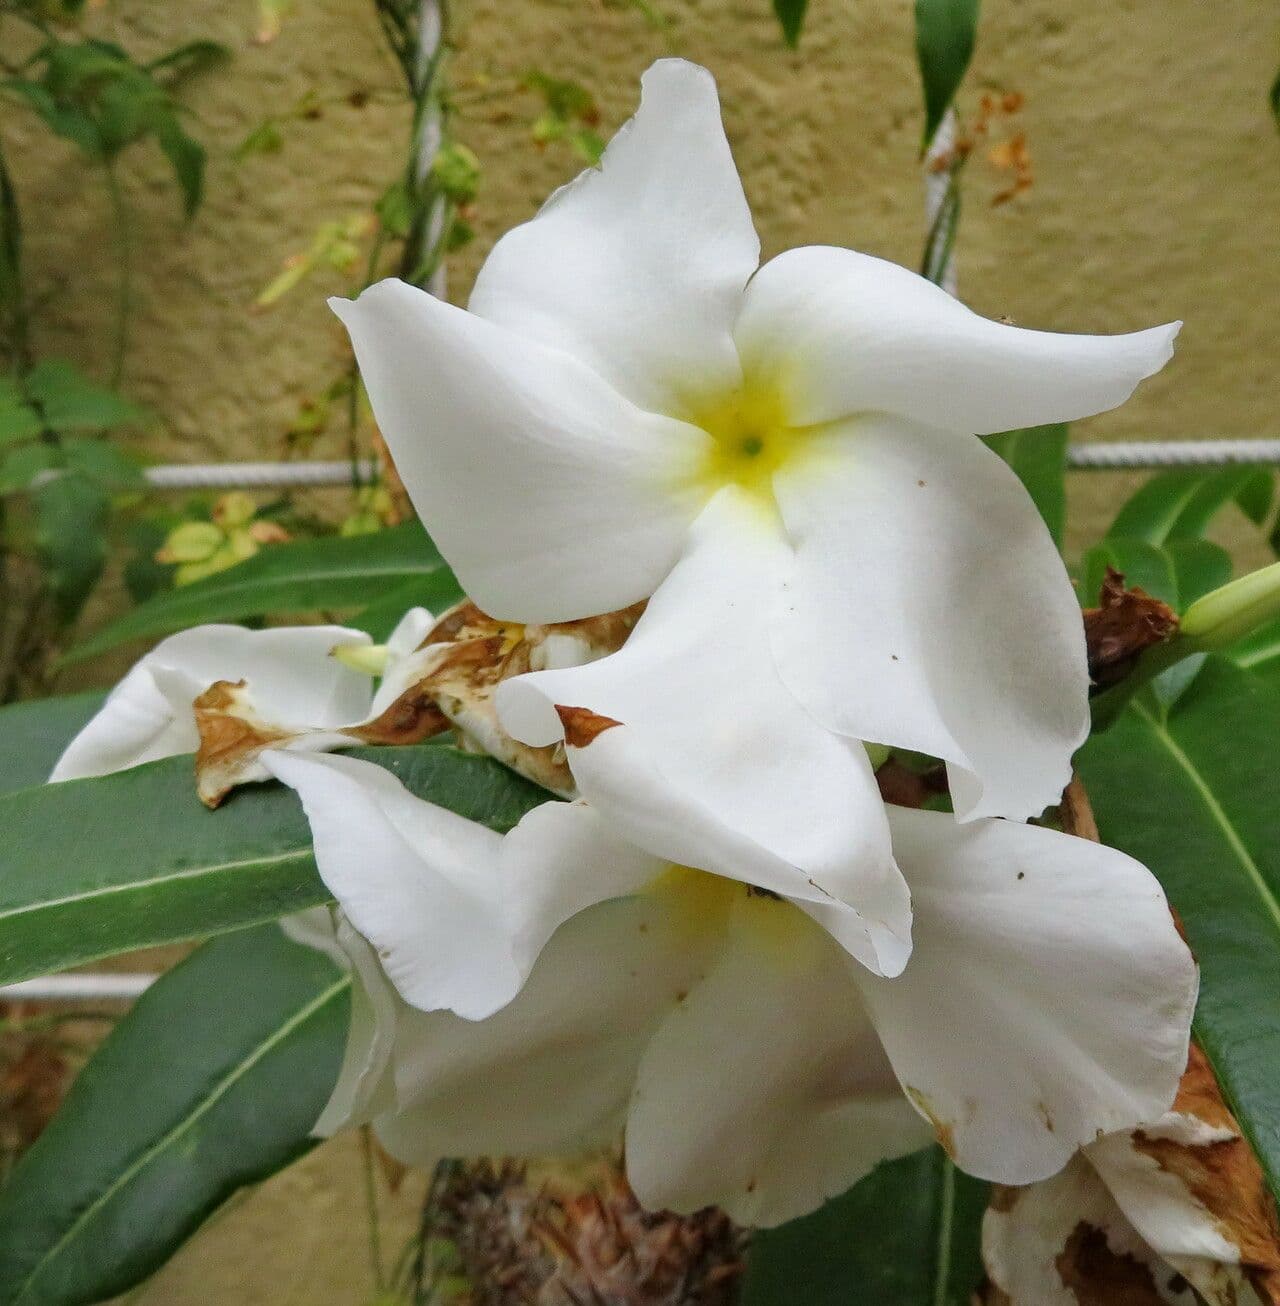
(172, 870)
(1039, 456)
(18, 420)
(33, 735)
(791, 16)
(1154, 510)
(307, 576)
(1199, 566)
(1144, 566)
(1210, 763)
(907, 1235)
(213, 1081)
(945, 34)
(1250, 488)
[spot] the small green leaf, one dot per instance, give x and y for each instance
(946, 31)
(186, 157)
(71, 520)
(907, 1235)
(102, 462)
(18, 419)
(790, 15)
(1193, 794)
(172, 870)
(33, 735)
(71, 402)
(188, 59)
(212, 1082)
(1039, 456)
(305, 576)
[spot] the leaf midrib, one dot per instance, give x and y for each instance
(219, 1091)
(192, 872)
(1215, 809)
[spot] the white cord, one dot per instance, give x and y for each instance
(87, 987)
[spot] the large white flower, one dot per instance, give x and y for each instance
(624, 364)
(536, 992)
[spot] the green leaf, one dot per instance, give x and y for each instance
(945, 34)
(1152, 513)
(186, 157)
(19, 467)
(1194, 796)
(18, 420)
(172, 870)
(791, 16)
(190, 58)
(100, 461)
(380, 618)
(1250, 488)
(1260, 653)
(1039, 456)
(1274, 99)
(71, 402)
(907, 1235)
(71, 519)
(1199, 566)
(1145, 566)
(213, 1081)
(306, 576)
(33, 735)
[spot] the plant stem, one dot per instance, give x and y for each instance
(124, 254)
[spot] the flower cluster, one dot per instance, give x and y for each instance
(728, 534)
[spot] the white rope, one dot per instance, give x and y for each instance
(1172, 453)
(79, 988)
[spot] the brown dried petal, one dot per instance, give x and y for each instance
(1125, 622)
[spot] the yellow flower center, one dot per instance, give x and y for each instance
(704, 904)
(751, 439)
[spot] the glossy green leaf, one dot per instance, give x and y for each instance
(1144, 566)
(89, 868)
(1181, 504)
(1260, 653)
(945, 34)
(213, 1081)
(1039, 456)
(33, 735)
(907, 1235)
(790, 15)
(1194, 795)
(340, 572)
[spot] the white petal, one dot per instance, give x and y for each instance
(366, 1082)
(766, 1091)
(1164, 1210)
(715, 764)
(406, 660)
(521, 461)
(930, 610)
(1028, 1240)
(638, 268)
(1048, 999)
(559, 860)
(845, 333)
(550, 1074)
(148, 714)
(419, 882)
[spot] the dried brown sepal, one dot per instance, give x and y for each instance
(1123, 625)
(561, 1241)
(413, 718)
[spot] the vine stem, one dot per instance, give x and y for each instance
(124, 291)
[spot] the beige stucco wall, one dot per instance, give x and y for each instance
(1156, 196)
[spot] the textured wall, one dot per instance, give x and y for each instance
(1157, 181)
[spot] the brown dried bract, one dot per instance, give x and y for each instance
(1125, 622)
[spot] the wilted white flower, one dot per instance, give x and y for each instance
(628, 390)
(149, 714)
(535, 993)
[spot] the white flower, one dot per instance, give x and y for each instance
(535, 993)
(149, 714)
(624, 368)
